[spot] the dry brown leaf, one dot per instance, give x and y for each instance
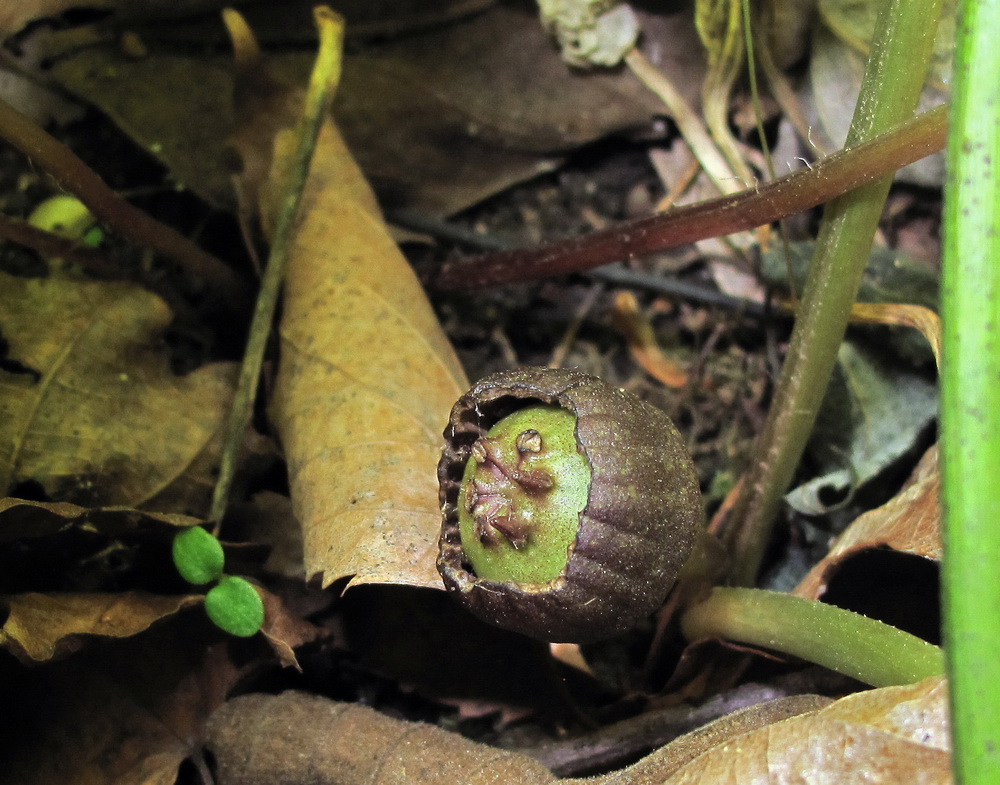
(284, 630)
(377, 17)
(642, 344)
(919, 317)
(95, 414)
(438, 120)
(127, 713)
(909, 523)
(45, 626)
(895, 734)
(364, 386)
(22, 520)
(61, 567)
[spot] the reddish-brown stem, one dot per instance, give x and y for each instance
(53, 245)
(827, 178)
(218, 282)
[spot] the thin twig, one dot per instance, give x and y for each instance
(52, 245)
(829, 177)
(218, 282)
(322, 85)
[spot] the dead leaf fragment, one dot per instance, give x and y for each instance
(94, 414)
(909, 523)
(364, 387)
(44, 626)
(437, 120)
(894, 734)
(125, 714)
(642, 343)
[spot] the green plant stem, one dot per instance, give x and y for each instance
(829, 177)
(897, 66)
(322, 85)
(847, 642)
(218, 283)
(970, 397)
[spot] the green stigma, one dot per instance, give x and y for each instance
(523, 489)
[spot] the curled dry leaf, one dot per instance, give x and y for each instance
(284, 630)
(909, 523)
(127, 713)
(365, 383)
(894, 734)
(432, 133)
(60, 571)
(45, 626)
(90, 409)
(642, 344)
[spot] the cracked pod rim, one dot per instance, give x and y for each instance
(639, 526)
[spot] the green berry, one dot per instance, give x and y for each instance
(235, 606)
(198, 555)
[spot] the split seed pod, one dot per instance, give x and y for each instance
(569, 505)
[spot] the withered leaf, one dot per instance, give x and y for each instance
(70, 576)
(44, 626)
(910, 523)
(364, 386)
(438, 120)
(894, 734)
(127, 713)
(90, 409)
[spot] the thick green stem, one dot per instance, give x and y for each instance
(903, 43)
(970, 397)
(843, 641)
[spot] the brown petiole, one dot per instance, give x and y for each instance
(827, 178)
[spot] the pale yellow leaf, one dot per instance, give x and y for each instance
(365, 384)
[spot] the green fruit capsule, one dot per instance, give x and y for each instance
(569, 506)
(522, 493)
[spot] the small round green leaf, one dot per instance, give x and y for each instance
(235, 606)
(198, 555)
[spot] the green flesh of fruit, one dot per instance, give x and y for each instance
(521, 497)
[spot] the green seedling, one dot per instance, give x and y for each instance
(235, 606)
(198, 556)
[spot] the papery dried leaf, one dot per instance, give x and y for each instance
(93, 412)
(909, 523)
(22, 519)
(284, 630)
(61, 549)
(364, 387)
(46, 626)
(365, 17)
(438, 120)
(127, 713)
(61, 567)
(642, 344)
(895, 734)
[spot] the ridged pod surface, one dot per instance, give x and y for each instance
(642, 516)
